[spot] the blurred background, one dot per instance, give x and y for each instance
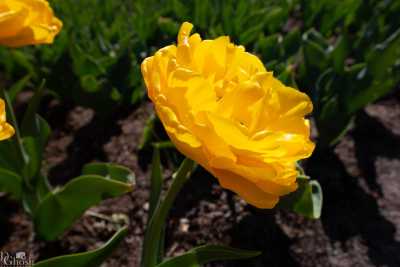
(344, 54)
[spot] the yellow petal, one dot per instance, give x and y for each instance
(6, 130)
(221, 108)
(27, 22)
(250, 192)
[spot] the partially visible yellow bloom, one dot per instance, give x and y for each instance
(6, 130)
(223, 109)
(27, 22)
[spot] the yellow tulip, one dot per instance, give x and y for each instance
(223, 109)
(6, 130)
(27, 22)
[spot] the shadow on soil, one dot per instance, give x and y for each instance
(348, 209)
(87, 145)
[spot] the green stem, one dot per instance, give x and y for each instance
(156, 181)
(157, 221)
(17, 139)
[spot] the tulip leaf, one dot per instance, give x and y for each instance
(379, 73)
(384, 55)
(314, 54)
(275, 18)
(18, 87)
(61, 208)
(43, 130)
(155, 193)
(292, 41)
(10, 182)
(339, 53)
(33, 152)
(156, 180)
(306, 200)
(9, 156)
(147, 132)
(250, 34)
(208, 253)
(86, 259)
(110, 171)
(269, 47)
(29, 125)
(155, 228)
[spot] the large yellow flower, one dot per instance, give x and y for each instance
(221, 108)
(6, 130)
(26, 22)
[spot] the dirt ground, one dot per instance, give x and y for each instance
(360, 224)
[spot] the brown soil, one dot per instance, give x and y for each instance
(360, 225)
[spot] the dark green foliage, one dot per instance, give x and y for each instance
(54, 210)
(331, 50)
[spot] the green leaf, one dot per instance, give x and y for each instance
(15, 149)
(42, 188)
(208, 253)
(200, 13)
(339, 53)
(156, 181)
(168, 26)
(110, 171)
(275, 18)
(29, 124)
(292, 41)
(306, 201)
(66, 205)
(9, 156)
(154, 231)
(10, 182)
(314, 36)
(155, 194)
(147, 132)
(34, 157)
(18, 87)
(314, 55)
(269, 47)
(381, 63)
(87, 259)
(43, 130)
(250, 34)
(33, 144)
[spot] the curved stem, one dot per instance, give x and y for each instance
(11, 115)
(153, 234)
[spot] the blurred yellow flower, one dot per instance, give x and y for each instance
(6, 130)
(223, 109)
(27, 22)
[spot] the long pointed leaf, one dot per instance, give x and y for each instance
(208, 253)
(29, 125)
(18, 87)
(156, 181)
(157, 221)
(87, 259)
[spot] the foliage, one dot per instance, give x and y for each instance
(324, 48)
(54, 209)
(344, 54)
(87, 259)
(153, 246)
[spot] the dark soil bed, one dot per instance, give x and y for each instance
(360, 225)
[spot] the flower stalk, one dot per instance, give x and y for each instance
(153, 234)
